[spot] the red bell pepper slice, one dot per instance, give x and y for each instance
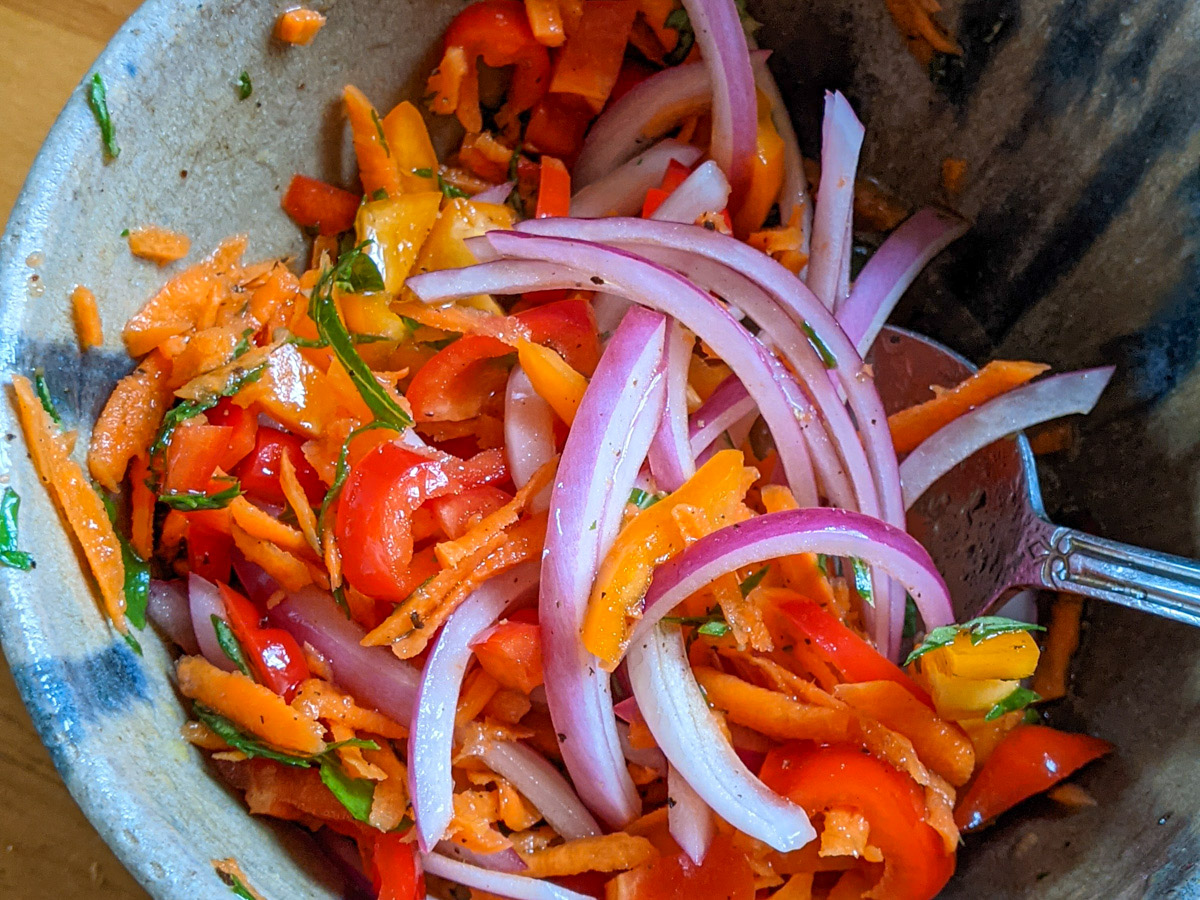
(675, 175)
(557, 125)
(396, 872)
(245, 426)
(209, 546)
(459, 380)
(273, 654)
(569, 328)
(1030, 759)
(554, 189)
(725, 874)
(315, 204)
(498, 32)
(916, 866)
(841, 648)
(259, 471)
(511, 652)
(193, 456)
(457, 512)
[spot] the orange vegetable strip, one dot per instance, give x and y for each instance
(390, 803)
(771, 713)
(265, 527)
(911, 426)
(78, 500)
(298, 501)
(141, 509)
(1071, 795)
(409, 141)
(291, 572)
(130, 419)
(546, 21)
(590, 62)
(86, 313)
(465, 321)
(322, 700)
(615, 852)
(798, 887)
(478, 691)
(845, 834)
(376, 167)
(159, 245)
(250, 706)
(553, 378)
(802, 572)
(299, 26)
(1062, 640)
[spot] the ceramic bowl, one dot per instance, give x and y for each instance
(1078, 122)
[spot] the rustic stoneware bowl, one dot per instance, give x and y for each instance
(1078, 121)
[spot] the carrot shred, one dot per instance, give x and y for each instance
(86, 314)
(250, 706)
(298, 501)
(390, 804)
(911, 426)
(1062, 640)
(78, 500)
(954, 173)
(771, 713)
(477, 692)
(299, 26)
(616, 852)
(290, 571)
(141, 509)
(376, 167)
(845, 834)
(263, 526)
(1071, 795)
(159, 245)
(472, 825)
(321, 700)
(130, 418)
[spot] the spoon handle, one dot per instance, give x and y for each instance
(1145, 580)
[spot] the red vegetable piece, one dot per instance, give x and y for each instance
(245, 426)
(272, 653)
(458, 512)
(193, 456)
(398, 875)
(259, 472)
(511, 652)
(459, 380)
(554, 189)
(315, 204)
(725, 874)
(569, 328)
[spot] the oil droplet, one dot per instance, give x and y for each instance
(35, 259)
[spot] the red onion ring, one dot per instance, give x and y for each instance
(728, 404)
(501, 861)
(518, 887)
(689, 819)
(168, 608)
(543, 786)
(671, 458)
(204, 602)
(888, 274)
(841, 141)
(528, 432)
(688, 733)
(1031, 404)
(622, 192)
(497, 193)
(703, 192)
(431, 733)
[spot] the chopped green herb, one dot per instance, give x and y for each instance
(514, 162)
(307, 343)
(379, 194)
(753, 580)
(369, 338)
(230, 645)
(979, 630)
(125, 232)
(682, 24)
(97, 97)
(823, 351)
(712, 625)
(643, 499)
(339, 597)
(714, 629)
(423, 173)
(43, 392)
(191, 502)
(189, 408)
(244, 343)
(236, 886)
(379, 131)
(355, 271)
(10, 556)
(244, 86)
(252, 747)
(410, 324)
(862, 581)
(911, 617)
(1018, 699)
(356, 794)
(137, 585)
(449, 190)
(1031, 717)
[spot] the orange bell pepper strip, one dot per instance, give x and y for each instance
(511, 652)
(1062, 640)
(589, 63)
(546, 21)
(498, 32)
(650, 539)
(554, 380)
(802, 572)
(299, 26)
(412, 149)
(766, 174)
(377, 168)
(315, 204)
(911, 426)
(554, 189)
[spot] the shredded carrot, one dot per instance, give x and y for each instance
(200, 735)
(130, 419)
(299, 26)
(845, 834)
(250, 706)
(174, 531)
(516, 812)
(390, 804)
(911, 426)
(478, 690)
(322, 700)
(1054, 437)
(798, 887)
(298, 501)
(614, 852)
(376, 167)
(263, 526)
(141, 509)
(290, 571)
(472, 825)
(78, 500)
(86, 313)
(508, 706)
(159, 245)
(954, 173)
(1062, 640)
(771, 713)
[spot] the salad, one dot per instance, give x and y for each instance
(544, 535)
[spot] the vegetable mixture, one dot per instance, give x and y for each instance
(545, 536)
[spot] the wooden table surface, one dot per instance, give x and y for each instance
(47, 847)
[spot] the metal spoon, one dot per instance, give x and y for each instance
(984, 525)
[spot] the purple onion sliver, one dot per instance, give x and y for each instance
(204, 602)
(622, 192)
(518, 887)
(650, 757)
(704, 192)
(503, 861)
(543, 786)
(168, 608)
(724, 406)
(258, 585)
(689, 819)
(528, 432)
(671, 459)
(497, 193)
(841, 141)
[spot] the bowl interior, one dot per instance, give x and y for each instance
(1077, 120)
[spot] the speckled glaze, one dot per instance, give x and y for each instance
(1078, 120)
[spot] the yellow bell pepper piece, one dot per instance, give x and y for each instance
(410, 146)
(553, 378)
(1008, 656)
(651, 538)
(766, 174)
(446, 247)
(369, 314)
(956, 697)
(396, 228)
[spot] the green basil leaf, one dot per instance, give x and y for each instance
(244, 343)
(244, 86)
(230, 645)
(190, 408)
(979, 629)
(714, 629)
(643, 499)
(356, 794)
(753, 580)
(379, 131)
(190, 502)
(43, 392)
(10, 556)
(823, 351)
(682, 24)
(911, 618)
(252, 747)
(97, 97)
(1018, 699)
(862, 581)
(137, 585)
(449, 190)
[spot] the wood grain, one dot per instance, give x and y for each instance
(47, 847)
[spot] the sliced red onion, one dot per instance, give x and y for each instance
(497, 194)
(431, 734)
(204, 602)
(528, 432)
(257, 584)
(703, 192)
(671, 458)
(604, 451)
(626, 709)
(888, 274)
(728, 404)
(841, 141)
(723, 48)
(689, 819)
(642, 115)
(502, 861)
(1024, 407)
(609, 310)
(836, 532)
(504, 884)
(373, 676)
(794, 194)
(689, 734)
(168, 608)
(543, 786)
(650, 757)
(622, 192)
